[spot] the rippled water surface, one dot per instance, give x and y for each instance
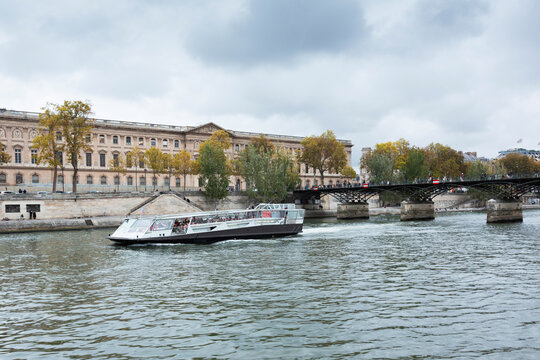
(454, 287)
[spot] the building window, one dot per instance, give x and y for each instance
(102, 162)
(115, 139)
(115, 159)
(236, 148)
(88, 159)
(102, 139)
(141, 164)
(103, 180)
(60, 157)
(60, 179)
(307, 169)
(89, 180)
(165, 143)
(35, 179)
(154, 181)
(130, 180)
(128, 140)
(176, 144)
(13, 208)
(142, 180)
(59, 136)
(2, 178)
(177, 182)
(166, 181)
(88, 138)
(153, 142)
(33, 154)
(18, 179)
(33, 208)
(18, 156)
(141, 141)
(116, 180)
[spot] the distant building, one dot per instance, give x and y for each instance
(110, 138)
(533, 154)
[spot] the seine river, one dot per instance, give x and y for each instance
(452, 288)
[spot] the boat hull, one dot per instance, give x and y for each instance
(209, 237)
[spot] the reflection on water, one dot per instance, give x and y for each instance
(455, 287)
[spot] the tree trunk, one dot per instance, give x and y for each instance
(322, 176)
(184, 182)
(75, 165)
(55, 178)
(136, 179)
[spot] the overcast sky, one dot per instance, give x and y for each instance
(462, 73)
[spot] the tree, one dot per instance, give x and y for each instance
(169, 166)
(263, 144)
(397, 151)
(136, 157)
(185, 164)
(380, 168)
(518, 164)
(118, 165)
(323, 153)
(221, 139)
(477, 170)
(348, 173)
(268, 174)
(213, 170)
(154, 159)
(4, 156)
(46, 144)
(415, 167)
(443, 161)
(76, 125)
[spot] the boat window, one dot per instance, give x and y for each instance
(159, 225)
(140, 225)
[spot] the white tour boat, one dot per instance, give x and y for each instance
(266, 220)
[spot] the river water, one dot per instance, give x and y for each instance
(452, 288)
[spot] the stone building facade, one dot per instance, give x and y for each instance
(111, 138)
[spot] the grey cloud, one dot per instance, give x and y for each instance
(278, 30)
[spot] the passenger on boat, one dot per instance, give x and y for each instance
(176, 226)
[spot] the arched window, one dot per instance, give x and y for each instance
(116, 180)
(153, 142)
(130, 180)
(165, 143)
(115, 139)
(166, 181)
(35, 179)
(60, 179)
(177, 182)
(89, 180)
(2, 178)
(103, 180)
(18, 178)
(142, 180)
(176, 143)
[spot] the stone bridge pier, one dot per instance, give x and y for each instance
(504, 211)
(359, 210)
(411, 210)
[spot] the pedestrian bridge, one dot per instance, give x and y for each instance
(417, 204)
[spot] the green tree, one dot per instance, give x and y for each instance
(397, 151)
(185, 164)
(221, 139)
(348, 173)
(268, 174)
(76, 126)
(4, 156)
(118, 165)
(263, 144)
(380, 168)
(170, 166)
(46, 143)
(323, 153)
(154, 160)
(213, 170)
(477, 170)
(415, 167)
(519, 165)
(136, 157)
